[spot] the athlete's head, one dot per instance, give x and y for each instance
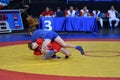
(32, 46)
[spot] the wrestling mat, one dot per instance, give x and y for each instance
(102, 62)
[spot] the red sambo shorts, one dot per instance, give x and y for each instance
(52, 46)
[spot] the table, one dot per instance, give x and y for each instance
(70, 24)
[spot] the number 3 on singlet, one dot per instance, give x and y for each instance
(48, 25)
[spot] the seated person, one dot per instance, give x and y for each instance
(70, 12)
(59, 13)
(77, 13)
(111, 14)
(96, 13)
(47, 13)
(84, 12)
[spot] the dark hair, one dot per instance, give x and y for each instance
(30, 46)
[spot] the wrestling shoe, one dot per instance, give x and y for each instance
(49, 54)
(80, 49)
(56, 57)
(66, 57)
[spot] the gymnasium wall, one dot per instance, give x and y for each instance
(38, 6)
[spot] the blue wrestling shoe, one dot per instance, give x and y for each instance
(80, 49)
(49, 54)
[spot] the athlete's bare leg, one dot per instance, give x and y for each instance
(63, 43)
(60, 41)
(65, 52)
(44, 48)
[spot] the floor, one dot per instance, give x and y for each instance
(102, 34)
(102, 61)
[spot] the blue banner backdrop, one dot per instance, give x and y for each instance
(70, 23)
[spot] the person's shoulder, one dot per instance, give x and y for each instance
(74, 11)
(43, 12)
(109, 10)
(68, 10)
(82, 11)
(94, 11)
(87, 10)
(100, 11)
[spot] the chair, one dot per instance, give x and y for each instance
(103, 16)
(118, 15)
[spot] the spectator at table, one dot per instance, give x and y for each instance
(71, 12)
(96, 13)
(77, 13)
(111, 14)
(84, 12)
(47, 13)
(59, 12)
(65, 12)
